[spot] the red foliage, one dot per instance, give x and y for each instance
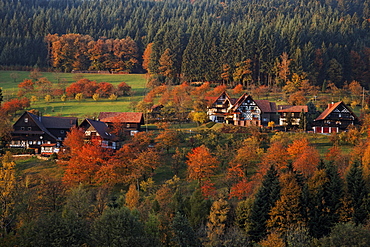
(10, 107)
(123, 89)
(105, 89)
(85, 86)
(208, 189)
(242, 189)
(337, 158)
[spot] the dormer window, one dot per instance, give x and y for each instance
(26, 120)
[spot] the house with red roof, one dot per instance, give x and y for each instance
(128, 122)
(292, 113)
(336, 117)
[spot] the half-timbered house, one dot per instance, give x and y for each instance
(31, 131)
(249, 112)
(336, 117)
(219, 107)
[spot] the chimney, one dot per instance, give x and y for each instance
(330, 105)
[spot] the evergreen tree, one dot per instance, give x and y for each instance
(325, 189)
(199, 209)
(184, 234)
(265, 199)
(358, 194)
(118, 227)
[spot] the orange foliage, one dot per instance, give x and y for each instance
(305, 158)
(235, 172)
(72, 143)
(218, 90)
(276, 155)
(238, 89)
(273, 240)
(84, 165)
(201, 90)
(201, 164)
(27, 85)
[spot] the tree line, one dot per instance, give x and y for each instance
(201, 40)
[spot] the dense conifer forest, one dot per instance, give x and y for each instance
(203, 39)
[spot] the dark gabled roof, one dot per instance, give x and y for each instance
(100, 127)
(59, 122)
(331, 108)
(292, 108)
(122, 117)
(266, 106)
(239, 101)
(37, 119)
(213, 100)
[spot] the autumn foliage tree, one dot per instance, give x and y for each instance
(201, 164)
(305, 158)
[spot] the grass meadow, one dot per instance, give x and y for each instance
(85, 108)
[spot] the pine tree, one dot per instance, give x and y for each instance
(358, 194)
(265, 199)
(287, 212)
(184, 235)
(325, 189)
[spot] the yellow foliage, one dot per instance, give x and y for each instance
(132, 197)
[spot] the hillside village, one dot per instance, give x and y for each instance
(45, 134)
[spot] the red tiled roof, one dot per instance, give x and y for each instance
(330, 109)
(292, 108)
(123, 117)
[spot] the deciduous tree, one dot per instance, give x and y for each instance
(201, 164)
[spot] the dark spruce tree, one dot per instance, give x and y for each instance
(265, 199)
(358, 193)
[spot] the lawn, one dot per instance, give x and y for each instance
(72, 107)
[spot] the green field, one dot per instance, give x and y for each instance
(85, 108)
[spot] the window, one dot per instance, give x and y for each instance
(22, 128)
(62, 131)
(128, 126)
(26, 120)
(29, 128)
